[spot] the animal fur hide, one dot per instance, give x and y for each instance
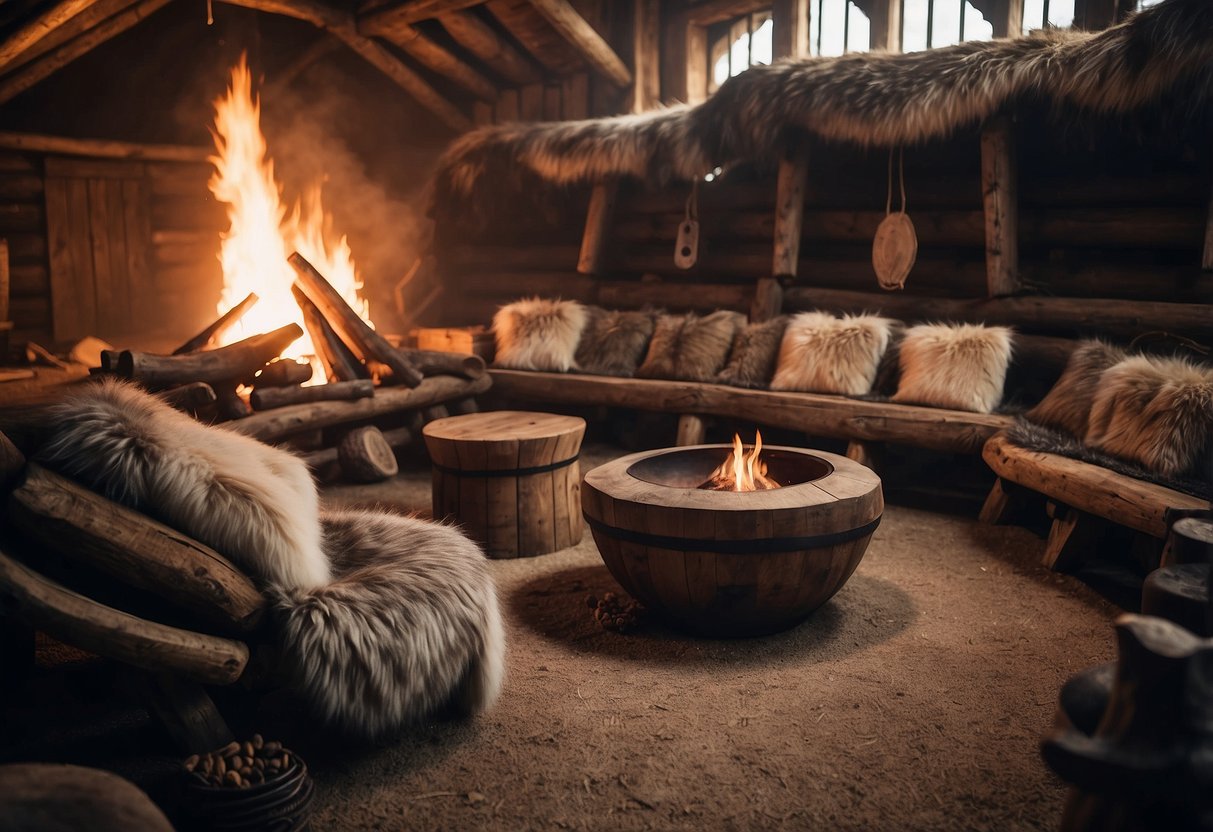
(1068, 405)
(752, 359)
(382, 619)
(690, 348)
(1157, 412)
(1036, 437)
(962, 366)
(613, 343)
(539, 334)
(871, 99)
(824, 354)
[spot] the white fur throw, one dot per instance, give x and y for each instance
(1157, 412)
(961, 366)
(824, 354)
(539, 334)
(382, 619)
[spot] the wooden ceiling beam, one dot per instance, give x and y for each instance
(21, 80)
(412, 11)
(427, 52)
(343, 26)
(38, 28)
(97, 13)
(594, 50)
(479, 38)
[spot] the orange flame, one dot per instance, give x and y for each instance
(742, 471)
(263, 232)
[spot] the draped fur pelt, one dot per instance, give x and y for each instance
(872, 99)
(381, 619)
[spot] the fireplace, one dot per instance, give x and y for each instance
(725, 562)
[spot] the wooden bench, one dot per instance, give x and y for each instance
(1084, 497)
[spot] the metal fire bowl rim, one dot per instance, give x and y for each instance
(612, 478)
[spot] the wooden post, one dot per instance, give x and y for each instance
(1007, 18)
(1000, 196)
(789, 216)
(597, 227)
(39, 27)
(479, 38)
(595, 51)
(790, 38)
(696, 63)
(691, 430)
(187, 713)
(646, 55)
(886, 25)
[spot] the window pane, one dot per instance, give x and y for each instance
(760, 42)
(1061, 13)
(859, 35)
(1033, 14)
(976, 26)
(831, 27)
(914, 25)
(739, 58)
(945, 30)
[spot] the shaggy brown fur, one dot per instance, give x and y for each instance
(1068, 405)
(755, 349)
(690, 348)
(963, 366)
(824, 354)
(539, 334)
(1157, 412)
(613, 343)
(867, 98)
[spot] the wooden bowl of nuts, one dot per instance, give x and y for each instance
(254, 785)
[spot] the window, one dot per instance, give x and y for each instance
(1050, 14)
(738, 44)
(930, 23)
(837, 27)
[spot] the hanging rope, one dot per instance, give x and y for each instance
(901, 164)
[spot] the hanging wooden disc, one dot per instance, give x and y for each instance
(894, 250)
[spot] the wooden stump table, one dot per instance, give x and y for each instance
(510, 478)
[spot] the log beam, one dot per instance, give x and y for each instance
(92, 15)
(646, 54)
(789, 219)
(429, 53)
(479, 38)
(790, 37)
(38, 28)
(102, 149)
(1000, 197)
(412, 11)
(594, 50)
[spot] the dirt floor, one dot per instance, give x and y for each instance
(916, 699)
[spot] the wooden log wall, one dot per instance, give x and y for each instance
(1102, 212)
(130, 249)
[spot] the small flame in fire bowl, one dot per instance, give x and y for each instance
(741, 471)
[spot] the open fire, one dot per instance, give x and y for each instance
(741, 471)
(263, 232)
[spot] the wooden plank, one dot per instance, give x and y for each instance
(70, 255)
(102, 168)
(575, 97)
(105, 290)
(551, 102)
(101, 148)
(594, 50)
(646, 55)
(1000, 197)
(26, 77)
(530, 102)
(507, 106)
(137, 226)
(471, 32)
(119, 315)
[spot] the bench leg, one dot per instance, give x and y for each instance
(187, 713)
(999, 504)
(691, 430)
(865, 453)
(1072, 536)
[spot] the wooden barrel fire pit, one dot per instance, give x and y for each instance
(727, 563)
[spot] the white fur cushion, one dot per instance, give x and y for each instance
(1157, 412)
(824, 354)
(961, 366)
(539, 334)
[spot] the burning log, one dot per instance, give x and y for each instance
(352, 329)
(235, 362)
(432, 362)
(273, 425)
(283, 373)
(345, 460)
(225, 322)
(272, 397)
(339, 363)
(231, 405)
(189, 396)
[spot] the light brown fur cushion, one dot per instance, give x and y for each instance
(821, 353)
(613, 343)
(961, 366)
(539, 334)
(1068, 404)
(752, 359)
(1157, 412)
(690, 348)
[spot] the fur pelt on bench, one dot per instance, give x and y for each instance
(381, 619)
(871, 99)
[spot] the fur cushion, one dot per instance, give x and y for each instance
(752, 358)
(410, 625)
(539, 334)
(690, 348)
(1155, 411)
(824, 354)
(383, 619)
(613, 343)
(961, 366)
(1068, 403)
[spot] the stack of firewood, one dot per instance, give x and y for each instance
(369, 381)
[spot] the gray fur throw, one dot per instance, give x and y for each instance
(613, 343)
(755, 350)
(872, 99)
(690, 348)
(382, 620)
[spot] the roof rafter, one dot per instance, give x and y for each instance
(476, 36)
(428, 52)
(38, 28)
(411, 11)
(585, 39)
